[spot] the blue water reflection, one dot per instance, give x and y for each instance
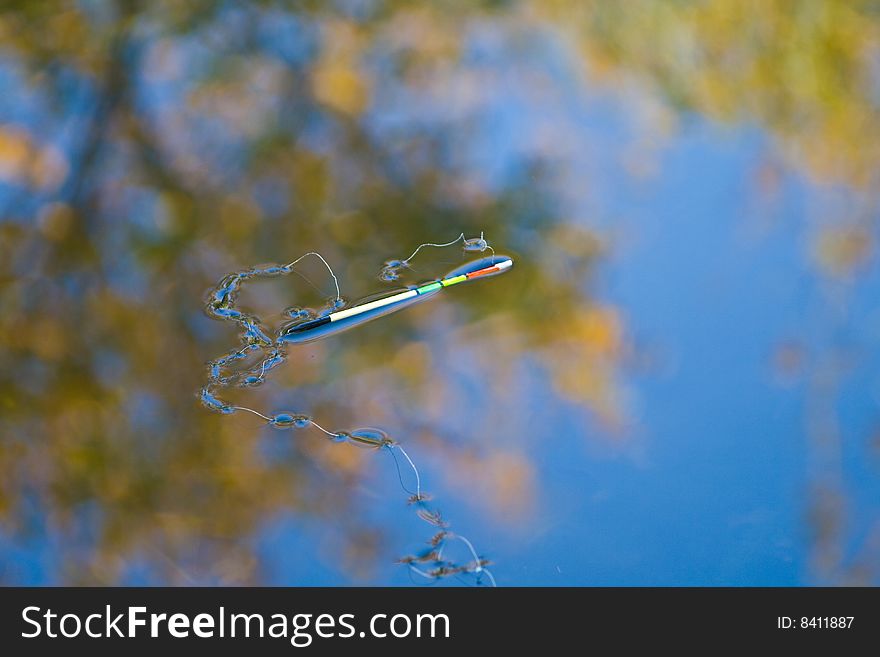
(675, 385)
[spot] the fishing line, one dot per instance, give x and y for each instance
(308, 325)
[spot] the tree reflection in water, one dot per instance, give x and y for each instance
(145, 147)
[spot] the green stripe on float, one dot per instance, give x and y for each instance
(430, 287)
(452, 281)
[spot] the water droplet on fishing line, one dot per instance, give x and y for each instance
(295, 312)
(253, 334)
(368, 437)
(272, 362)
(332, 305)
(269, 270)
(475, 244)
(225, 290)
(283, 420)
(211, 401)
(228, 313)
(339, 436)
(432, 517)
(426, 555)
(389, 274)
(301, 421)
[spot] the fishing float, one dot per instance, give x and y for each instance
(357, 314)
